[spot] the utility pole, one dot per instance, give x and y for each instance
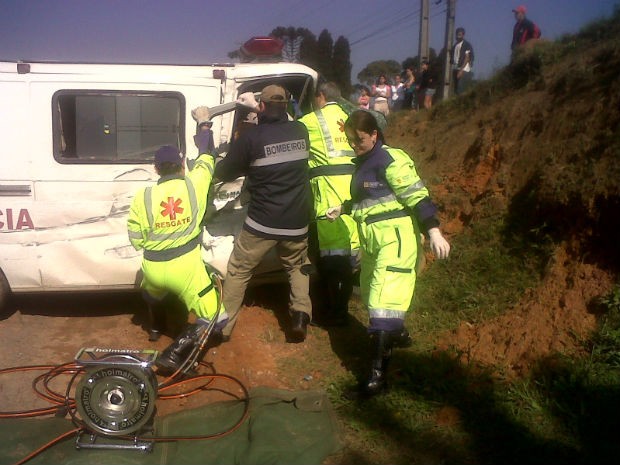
(449, 39)
(424, 31)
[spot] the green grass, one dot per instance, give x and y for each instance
(566, 411)
(440, 410)
(484, 276)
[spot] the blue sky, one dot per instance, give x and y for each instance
(190, 31)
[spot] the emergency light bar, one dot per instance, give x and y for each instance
(261, 48)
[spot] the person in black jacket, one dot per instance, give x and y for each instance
(428, 85)
(273, 156)
(462, 61)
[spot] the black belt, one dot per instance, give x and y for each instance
(169, 254)
(385, 216)
(331, 170)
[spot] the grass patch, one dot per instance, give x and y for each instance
(581, 395)
(484, 276)
(440, 411)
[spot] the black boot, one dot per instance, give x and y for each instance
(216, 338)
(336, 276)
(381, 350)
(401, 338)
(157, 320)
(342, 293)
(171, 359)
(299, 326)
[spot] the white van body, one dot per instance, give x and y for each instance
(77, 141)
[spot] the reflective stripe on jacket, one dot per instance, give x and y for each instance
(165, 219)
(386, 190)
(331, 157)
(274, 157)
(384, 183)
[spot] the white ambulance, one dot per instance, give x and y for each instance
(77, 141)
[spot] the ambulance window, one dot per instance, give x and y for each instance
(301, 88)
(115, 127)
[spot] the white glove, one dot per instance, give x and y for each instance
(201, 115)
(247, 100)
(439, 245)
(333, 212)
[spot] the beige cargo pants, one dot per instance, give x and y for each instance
(247, 253)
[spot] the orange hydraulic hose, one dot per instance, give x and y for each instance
(66, 405)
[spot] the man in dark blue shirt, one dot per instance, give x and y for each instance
(273, 156)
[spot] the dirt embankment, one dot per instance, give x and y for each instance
(538, 144)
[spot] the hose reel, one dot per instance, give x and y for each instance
(116, 397)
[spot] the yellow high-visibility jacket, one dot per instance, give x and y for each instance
(165, 219)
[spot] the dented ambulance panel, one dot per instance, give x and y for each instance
(78, 142)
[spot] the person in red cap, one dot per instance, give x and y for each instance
(524, 29)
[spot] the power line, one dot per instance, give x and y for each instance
(382, 16)
(285, 13)
(379, 21)
(389, 33)
(441, 12)
(381, 33)
(382, 29)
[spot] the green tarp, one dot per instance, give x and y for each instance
(282, 427)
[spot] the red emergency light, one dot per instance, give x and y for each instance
(262, 48)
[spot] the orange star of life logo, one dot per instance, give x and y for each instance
(341, 125)
(171, 208)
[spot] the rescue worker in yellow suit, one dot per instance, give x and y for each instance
(331, 166)
(165, 221)
(391, 205)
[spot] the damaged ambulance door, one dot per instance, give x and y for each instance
(103, 146)
(18, 257)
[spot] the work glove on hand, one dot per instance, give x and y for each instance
(204, 141)
(333, 212)
(247, 100)
(439, 245)
(201, 115)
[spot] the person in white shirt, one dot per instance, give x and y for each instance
(398, 93)
(382, 92)
(462, 61)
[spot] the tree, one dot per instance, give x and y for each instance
(332, 61)
(324, 48)
(414, 62)
(341, 63)
(375, 69)
(308, 54)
